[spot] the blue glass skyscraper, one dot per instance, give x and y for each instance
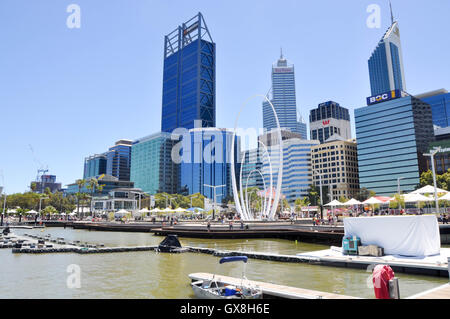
(283, 100)
(392, 137)
(386, 63)
(119, 160)
(206, 160)
(189, 84)
(439, 101)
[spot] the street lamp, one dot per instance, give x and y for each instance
(432, 153)
(399, 194)
(214, 189)
(40, 204)
(321, 200)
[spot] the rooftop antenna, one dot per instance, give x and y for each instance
(281, 53)
(392, 15)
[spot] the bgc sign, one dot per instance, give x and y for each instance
(394, 94)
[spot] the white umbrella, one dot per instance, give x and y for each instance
(167, 210)
(334, 203)
(416, 197)
(445, 197)
(428, 190)
(373, 201)
(155, 210)
(352, 202)
(32, 212)
(144, 210)
(180, 210)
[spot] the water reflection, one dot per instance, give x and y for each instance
(159, 275)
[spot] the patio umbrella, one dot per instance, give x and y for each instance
(373, 201)
(429, 190)
(334, 203)
(445, 197)
(180, 210)
(32, 212)
(416, 197)
(353, 202)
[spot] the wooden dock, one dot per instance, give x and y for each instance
(442, 292)
(272, 290)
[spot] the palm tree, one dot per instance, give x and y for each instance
(80, 183)
(92, 184)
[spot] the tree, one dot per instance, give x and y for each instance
(364, 194)
(301, 202)
(80, 183)
(442, 181)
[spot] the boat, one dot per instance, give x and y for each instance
(215, 289)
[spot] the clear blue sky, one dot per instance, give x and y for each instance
(70, 93)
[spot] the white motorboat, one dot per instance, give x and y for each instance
(215, 289)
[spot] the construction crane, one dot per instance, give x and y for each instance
(42, 169)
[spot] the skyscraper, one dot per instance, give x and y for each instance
(329, 119)
(283, 100)
(392, 137)
(206, 160)
(95, 165)
(189, 80)
(439, 101)
(152, 168)
(386, 63)
(119, 160)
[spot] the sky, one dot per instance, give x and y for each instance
(67, 93)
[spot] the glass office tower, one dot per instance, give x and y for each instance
(189, 80)
(95, 165)
(386, 63)
(283, 100)
(392, 137)
(252, 175)
(439, 101)
(206, 154)
(119, 160)
(152, 168)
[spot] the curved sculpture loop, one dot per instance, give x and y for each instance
(242, 204)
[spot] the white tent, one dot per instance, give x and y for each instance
(334, 203)
(32, 212)
(180, 210)
(155, 210)
(373, 201)
(428, 190)
(352, 202)
(167, 210)
(144, 211)
(415, 197)
(120, 213)
(445, 197)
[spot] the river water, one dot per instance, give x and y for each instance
(158, 275)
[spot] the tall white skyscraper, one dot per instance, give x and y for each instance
(283, 100)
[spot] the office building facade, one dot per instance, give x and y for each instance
(95, 165)
(329, 119)
(386, 63)
(46, 181)
(297, 169)
(206, 160)
(108, 182)
(189, 84)
(119, 160)
(251, 165)
(392, 137)
(335, 164)
(441, 158)
(283, 100)
(152, 168)
(439, 101)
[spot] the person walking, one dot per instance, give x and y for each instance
(231, 225)
(445, 219)
(208, 226)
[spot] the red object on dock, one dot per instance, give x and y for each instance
(381, 276)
